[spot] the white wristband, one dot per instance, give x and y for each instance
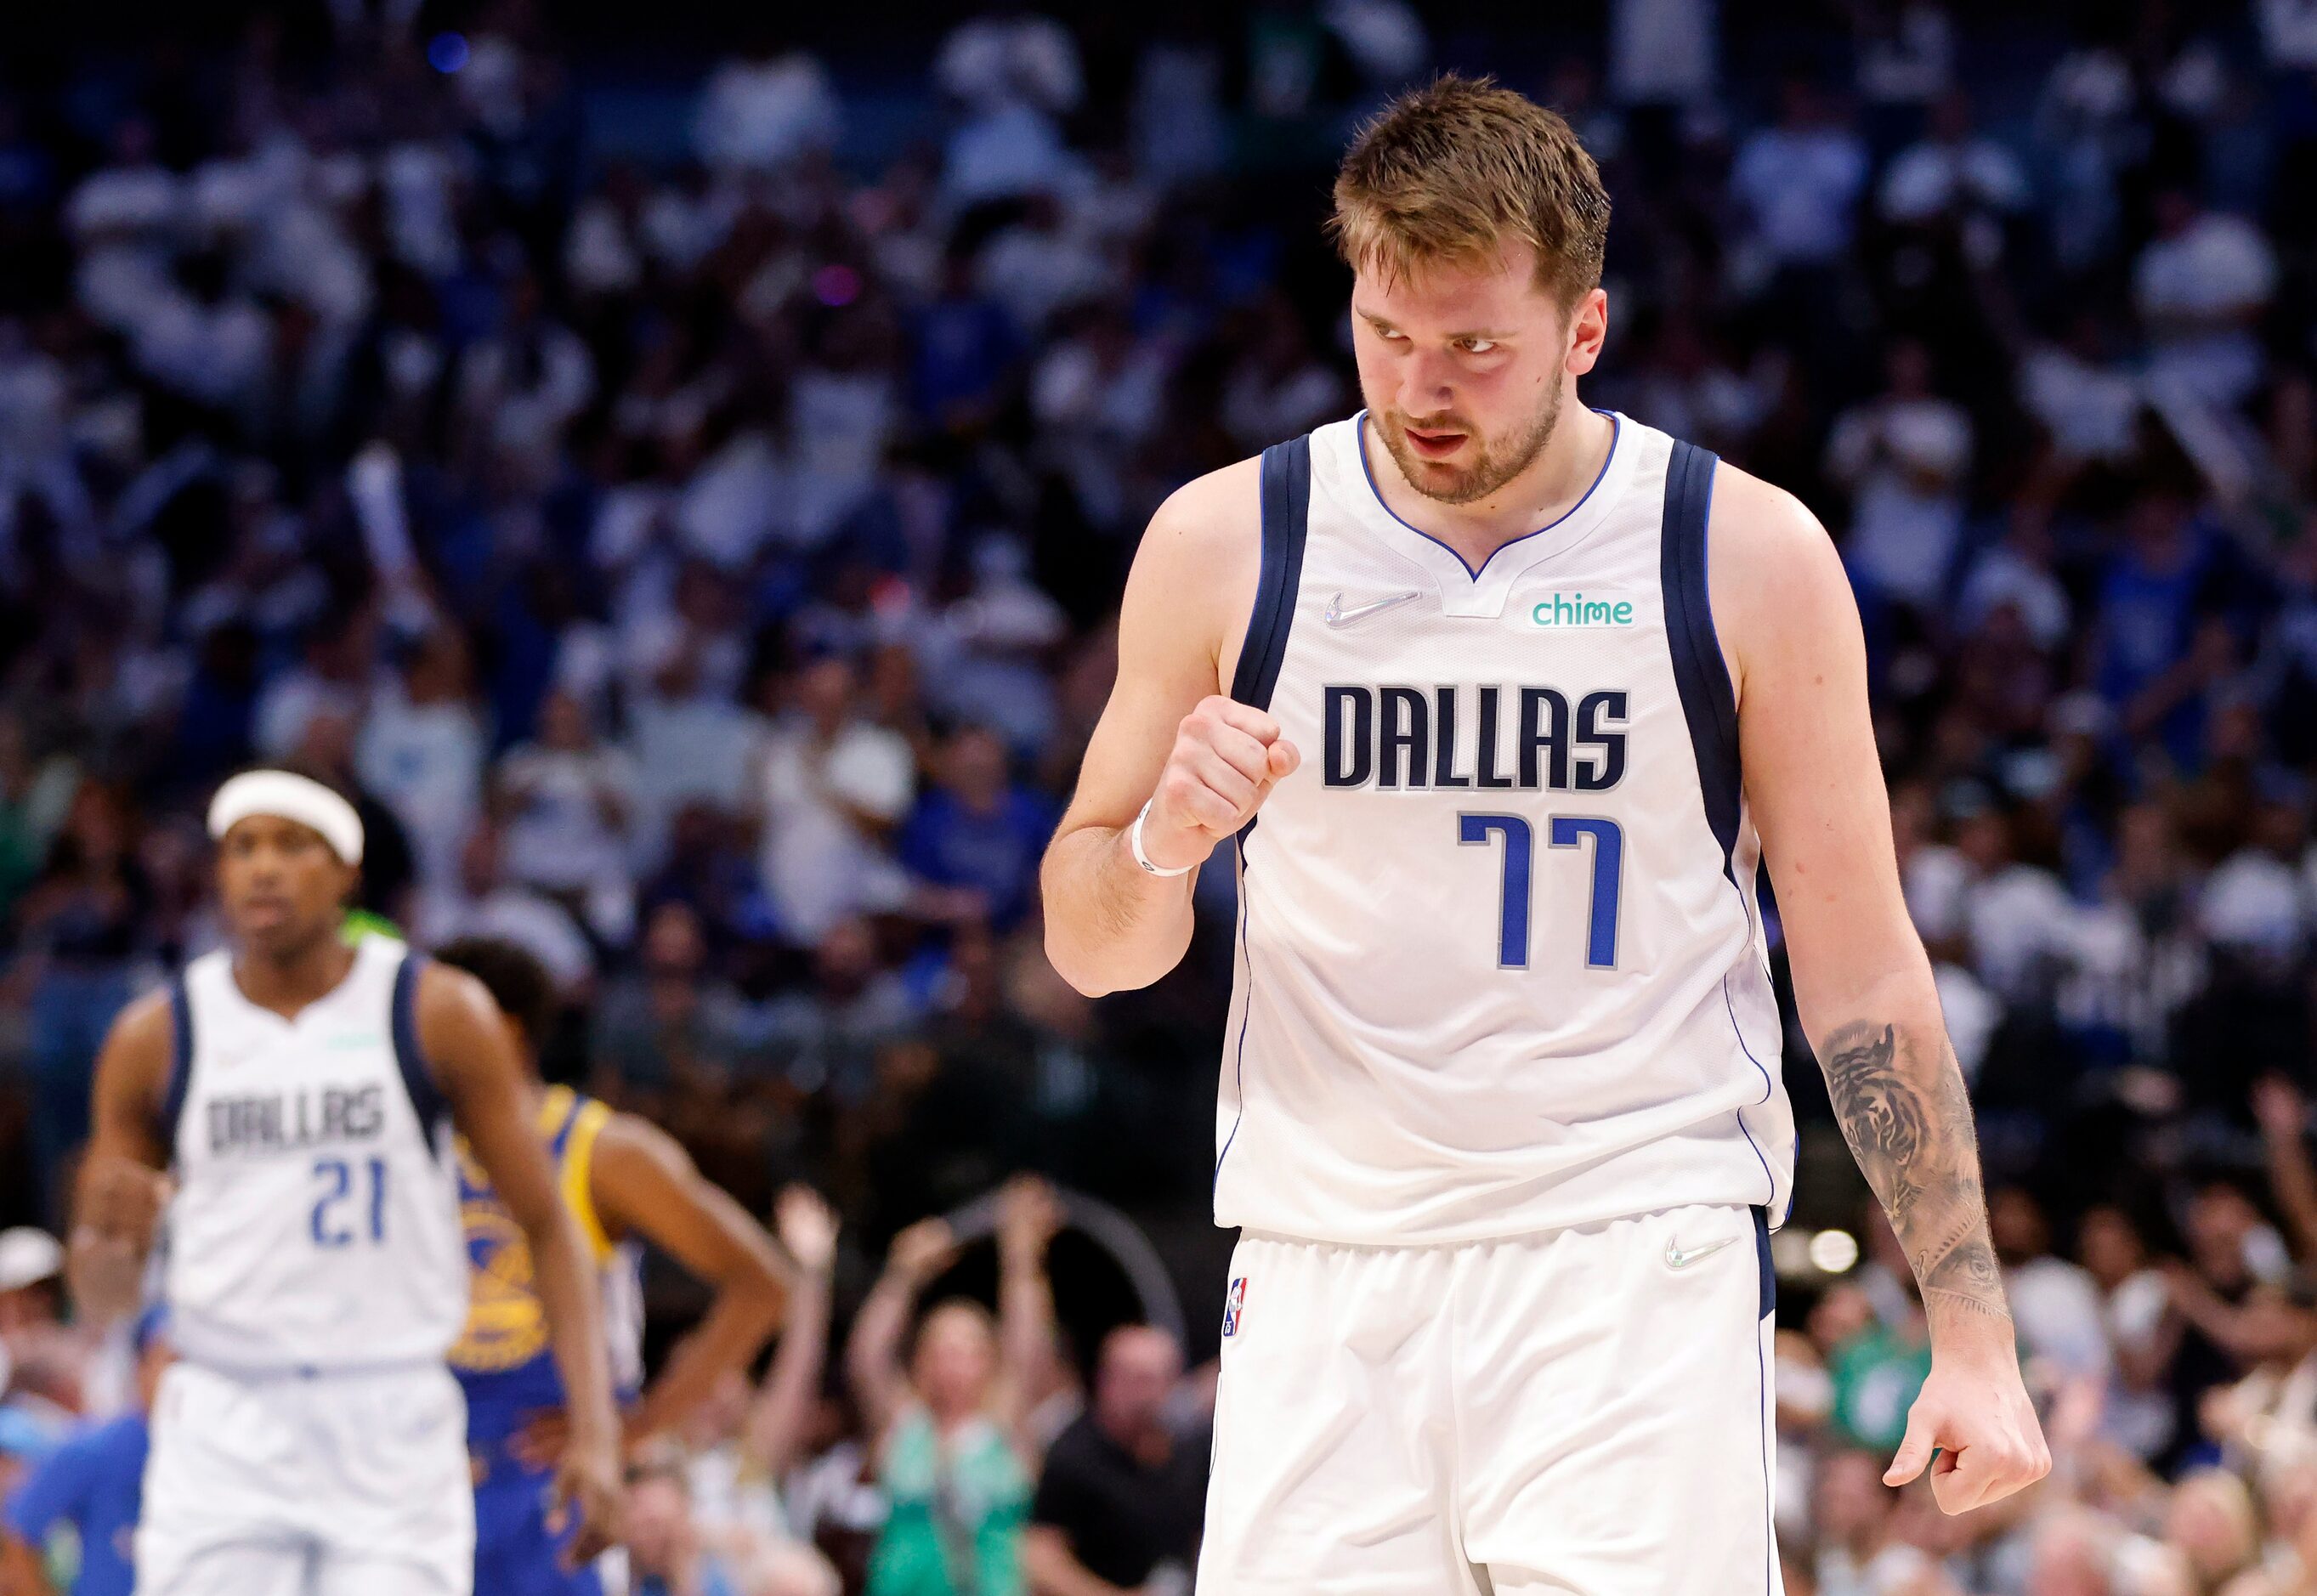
(1135, 842)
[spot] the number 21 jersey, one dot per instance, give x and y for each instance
(315, 1222)
(1500, 964)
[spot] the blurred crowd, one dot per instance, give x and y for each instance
(697, 550)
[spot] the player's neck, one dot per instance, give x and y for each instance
(1563, 472)
(290, 981)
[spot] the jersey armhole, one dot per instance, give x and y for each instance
(410, 1057)
(1708, 702)
(589, 1118)
(1286, 517)
(181, 1064)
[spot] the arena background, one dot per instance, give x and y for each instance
(679, 468)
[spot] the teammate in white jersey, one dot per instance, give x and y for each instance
(289, 1102)
(1500, 749)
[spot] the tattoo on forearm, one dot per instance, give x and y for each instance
(1908, 1123)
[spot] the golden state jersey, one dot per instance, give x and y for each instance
(502, 1357)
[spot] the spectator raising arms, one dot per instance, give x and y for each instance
(954, 1450)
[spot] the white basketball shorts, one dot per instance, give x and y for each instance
(1585, 1411)
(336, 1483)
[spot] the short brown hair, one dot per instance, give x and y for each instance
(1452, 172)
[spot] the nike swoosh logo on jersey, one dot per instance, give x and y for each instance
(1337, 615)
(1677, 1259)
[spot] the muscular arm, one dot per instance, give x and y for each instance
(123, 1188)
(475, 1067)
(1862, 982)
(645, 1184)
(1111, 925)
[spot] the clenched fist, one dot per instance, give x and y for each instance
(1225, 760)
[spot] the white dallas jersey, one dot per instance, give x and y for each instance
(316, 1223)
(1500, 964)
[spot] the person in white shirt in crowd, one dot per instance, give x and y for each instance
(2288, 34)
(521, 387)
(1098, 395)
(564, 798)
(2087, 400)
(36, 454)
(2055, 1304)
(2017, 915)
(332, 678)
(1905, 61)
(1905, 456)
(126, 219)
(1041, 265)
(688, 743)
(831, 787)
(481, 902)
(1013, 74)
(2017, 575)
(2201, 287)
(421, 750)
(984, 658)
(1665, 52)
(1957, 174)
(763, 108)
(2257, 903)
(1797, 184)
(2136, 1411)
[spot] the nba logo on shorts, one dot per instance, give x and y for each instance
(1233, 1303)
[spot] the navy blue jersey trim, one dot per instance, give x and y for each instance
(181, 1064)
(1707, 700)
(1238, 1051)
(1286, 518)
(1762, 1259)
(1771, 1583)
(410, 1057)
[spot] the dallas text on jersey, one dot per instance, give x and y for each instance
(1406, 737)
(292, 1121)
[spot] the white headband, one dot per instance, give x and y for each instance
(287, 796)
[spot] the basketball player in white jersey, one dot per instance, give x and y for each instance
(289, 1102)
(1503, 701)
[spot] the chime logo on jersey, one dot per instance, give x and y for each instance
(1574, 608)
(1234, 1302)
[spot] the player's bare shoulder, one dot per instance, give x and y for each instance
(132, 1069)
(459, 1027)
(147, 1028)
(1776, 582)
(1194, 574)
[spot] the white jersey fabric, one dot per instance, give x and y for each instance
(1501, 968)
(316, 1223)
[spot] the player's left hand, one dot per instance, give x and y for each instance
(1974, 1411)
(588, 1487)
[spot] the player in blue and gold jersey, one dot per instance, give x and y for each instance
(626, 1183)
